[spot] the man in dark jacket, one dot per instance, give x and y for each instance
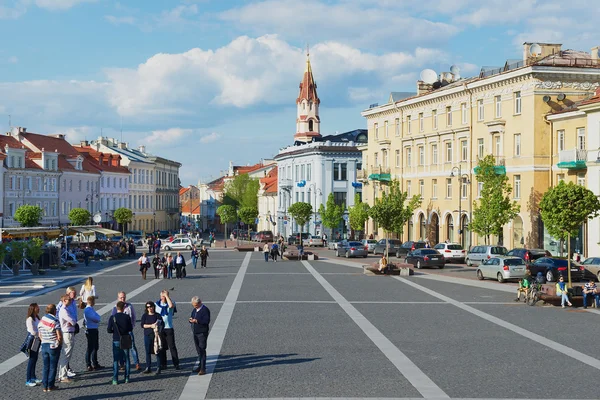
(179, 266)
(200, 320)
(119, 325)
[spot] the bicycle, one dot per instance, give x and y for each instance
(534, 294)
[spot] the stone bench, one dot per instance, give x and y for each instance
(400, 269)
(293, 255)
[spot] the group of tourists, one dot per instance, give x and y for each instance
(164, 267)
(53, 335)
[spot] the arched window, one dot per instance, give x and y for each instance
(450, 228)
(310, 126)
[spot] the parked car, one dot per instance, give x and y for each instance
(163, 234)
(393, 245)
(478, 254)
(408, 246)
(369, 244)
(529, 255)
(425, 258)
(592, 267)
(264, 236)
(452, 251)
(553, 267)
(137, 239)
(333, 244)
(313, 241)
(502, 268)
(178, 244)
(351, 249)
(295, 239)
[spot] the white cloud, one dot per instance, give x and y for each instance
(60, 4)
(13, 59)
(120, 20)
(12, 9)
(166, 137)
(212, 137)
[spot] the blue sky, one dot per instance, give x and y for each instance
(207, 82)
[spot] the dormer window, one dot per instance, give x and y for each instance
(19, 162)
(78, 165)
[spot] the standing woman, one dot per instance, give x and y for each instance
(87, 289)
(144, 263)
(156, 266)
(32, 322)
(91, 319)
(203, 257)
(170, 265)
(194, 256)
(149, 321)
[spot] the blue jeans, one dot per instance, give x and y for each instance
(266, 257)
(595, 296)
(50, 357)
(33, 357)
(564, 298)
(120, 355)
(194, 261)
(133, 351)
(149, 344)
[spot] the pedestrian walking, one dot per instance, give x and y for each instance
(157, 245)
(150, 245)
(51, 336)
(166, 308)
(119, 324)
(91, 320)
(274, 252)
(32, 322)
(324, 239)
(163, 267)
(156, 266)
(150, 321)
(180, 266)
(170, 265)
(266, 251)
(194, 256)
(68, 321)
(87, 289)
(203, 256)
(199, 321)
(144, 264)
(130, 312)
(131, 248)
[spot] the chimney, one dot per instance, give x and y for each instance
(142, 149)
(423, 87)
(84, 143)
(22, 130)
(123, 145)
(594, 54)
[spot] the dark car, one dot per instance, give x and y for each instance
(529, 255)
(552, 268)
(264, 236)
(408, 246)
(351, 249)
(393, 245)
(295, 239)
(426, 258)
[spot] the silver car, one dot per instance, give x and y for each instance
(351, 249)
(479, 254)
(502, 269)
(369, 244)
(178, 244)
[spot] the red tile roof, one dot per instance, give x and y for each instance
(186, 206)
(11, 142)
(269, 182)
(110, 162)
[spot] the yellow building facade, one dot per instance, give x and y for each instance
(432, 142)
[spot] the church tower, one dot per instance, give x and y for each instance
(308, 123)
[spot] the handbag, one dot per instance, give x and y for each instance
(35, 345)
(26, 346)
(77, 329)
(124, 341)
(82, 305)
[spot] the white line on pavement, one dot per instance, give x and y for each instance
(579, 356)
(411, 372)
(14, 361)
(197, 386)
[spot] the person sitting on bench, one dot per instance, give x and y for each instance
(524, 285)
(590, 289)
(383, 265)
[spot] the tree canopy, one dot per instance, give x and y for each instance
(332, 214)
(301, 212)
(494, 208)
(391, 211)
(358, 214)
(123, 216)
(227, 213)
(79, 216)
(29, 216)
(248, 215)
(242, 191)
(565, 207)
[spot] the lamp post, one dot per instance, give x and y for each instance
(90, 198)
(462, 178)
(316, 191)
(154, 222)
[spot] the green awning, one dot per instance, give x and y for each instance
(572, 164)
(499, 169)
(385, 177)
(374, 177)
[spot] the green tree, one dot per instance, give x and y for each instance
(391, 211)
(248, 215)
(227, 214)
(29, 216)
(34, 251)
(242, 191)
(565, 207)
(332, 214)
(494, 208)
(301, 212)
(123, 216)
(79, 216)
(358, 214)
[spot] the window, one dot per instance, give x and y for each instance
(11, 209)
(421, 188)
(408, 156)
(498, 146)
(421, 122)
(479, 188)
(463, 112)
(19, 162)
(448, 116)
(449, 152)
(561, 177)
(376, 130)
(581, 179)
(87, 186)
(434, 119)
(397, 158)
(340, 171)
(385, 129)
(448, 188)
(376, 159)
(297, 173)
(480, 148)
(303, 172)
(480, 110)
(384, 154)
(340, 198)
(434, 188)
(498, 106)
(297, 197)
(517, 97)
(421, 155)
(20, 183)
(517, 185)
(78, 186)
(581, 138)
(114, 182)
(409, 124)
(464, 187)
(434, 154)
(28, 183)
(464, 150)
(397, 126)
(517, 145)
(408, 189)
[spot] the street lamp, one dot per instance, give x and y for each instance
(90, 198)
(316, 191)
(462, 178)
(154, 222)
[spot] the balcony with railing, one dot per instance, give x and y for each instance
(285, 183)
(362, 175)
(499, 167)
(572, 159)
(380, 173)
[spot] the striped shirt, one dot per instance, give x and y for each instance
(47, 328)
